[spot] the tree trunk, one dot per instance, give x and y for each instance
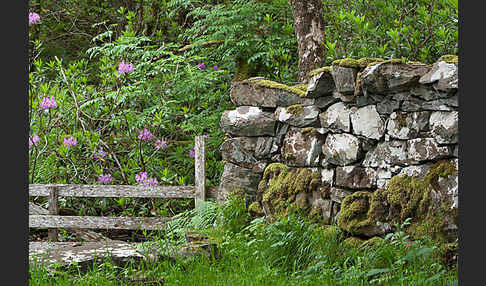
(309, 29)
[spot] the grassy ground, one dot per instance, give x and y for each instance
(289, 251)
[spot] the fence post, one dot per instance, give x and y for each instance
(200, 175)
(53, 210)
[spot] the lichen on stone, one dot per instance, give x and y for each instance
(309, 131)
(319, 70)
(301, 86)
(259, 81)
(346, 62)
(294, 109)
(352, 242)
(255, 209)
(284, 190)
(404, 197)
(451, 59)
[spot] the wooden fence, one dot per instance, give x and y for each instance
(53, 220)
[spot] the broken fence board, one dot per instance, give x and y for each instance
(95, 222)
(107, 191)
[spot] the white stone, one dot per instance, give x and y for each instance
(366, 121)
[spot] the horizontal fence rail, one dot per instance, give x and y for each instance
(50, 219)
(98, 222)
(115, 191)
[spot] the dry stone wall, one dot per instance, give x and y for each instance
(357, 124)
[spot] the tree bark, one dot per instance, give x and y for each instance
(309, 30)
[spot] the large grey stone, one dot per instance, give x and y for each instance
(355, 177)
(235, 178)
(233, 150)
(336, 118)
(391, 77)
(249, 93)
(366, 122)
(325, 101)
(338, 194)
(444, 126)
(298, 115)
(266, 147)
(386, 154)
(387, 106)
(344, 78)
(248, 121)
(320, 85)
(443, 75)
(407, 125)
(302, 147)
(341, 149)
(425, 149)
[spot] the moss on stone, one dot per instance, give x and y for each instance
(319, 70)
(347, 63)
(364, 62)
(289, 157)
(255, 209)
(309, 131)
(451, 59)
(294, 109)
(301, 86)
(281, 185)
(352, 242)
(404, 197)
(372, 243)
(272, 84)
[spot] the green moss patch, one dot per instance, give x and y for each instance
(259, 81)
(294, 109)
(319, 70)
(451, 59)
(405, 197)
(285, 190)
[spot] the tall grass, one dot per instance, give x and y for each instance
(289, 251)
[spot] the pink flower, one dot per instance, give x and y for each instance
(145, 135)
(143, 179)
(70, 141)
(125, 68)
(33, 18)
(48, 103)
(101, 154)
(192, 153)
(215, 68)
(105, 179)
(151, 182)
(33, 140)
(160, 144)
(201, 66)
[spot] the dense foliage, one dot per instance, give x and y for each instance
(289, 251)
(119, 89)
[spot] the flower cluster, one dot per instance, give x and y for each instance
(33, 140)
(125, 68)
(143, 179)
(105, 179)
(48, 103)
(100, 154)
(33, 18)
(145, 135)
(202, 66)
(70, 141)
(192, 153)
(160, 144)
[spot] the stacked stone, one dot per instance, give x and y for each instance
(358, 123)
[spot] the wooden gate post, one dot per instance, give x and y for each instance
(53, 210)
(200, 175)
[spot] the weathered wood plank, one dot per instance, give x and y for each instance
(84, 234)
(37, 210)
(95, 222)
(53, 209)
(105, 191)
(112, 191)
(199, 173)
